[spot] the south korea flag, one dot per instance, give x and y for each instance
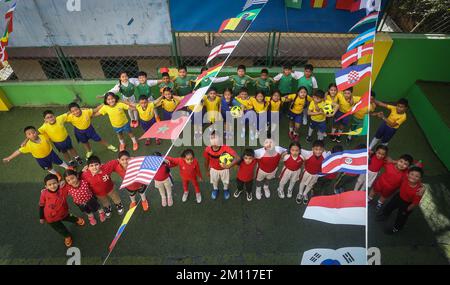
(340, 256)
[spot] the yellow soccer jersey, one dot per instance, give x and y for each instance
(395, 117)
(148, 113)
(83, 121)
(38, 150)
(116, 114)
(56, 132)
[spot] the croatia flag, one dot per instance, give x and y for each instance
(349, 77)
(350, 161)
(355, 54)
(348, 208)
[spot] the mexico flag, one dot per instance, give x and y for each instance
(348, 208)
(349, 77)
(355, 54)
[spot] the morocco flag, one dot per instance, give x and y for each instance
(355, 54)
(168, 129)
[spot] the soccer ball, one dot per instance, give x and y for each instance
(236, 111)
(327, 109)
(226, 158)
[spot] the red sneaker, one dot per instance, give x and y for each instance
(134, 124)
(145, 205)
(135, 146)
(92, 220)
(158, 141)
(132, 205)
(148, 142)
(122, 147)
(102, 216)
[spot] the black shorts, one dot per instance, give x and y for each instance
(90, 206)
(247, 185)
(140, 190)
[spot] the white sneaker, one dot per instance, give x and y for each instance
(185, 196)
(169, 201)
(289, 193)
(163, 201)
(198, 196)
(258, 193)
(280, 193)
(267, 192)
(249, 197)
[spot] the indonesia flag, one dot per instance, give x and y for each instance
(348, 208)
(369, 5)
(355, 54)
(361, 104)
(349, 161)
(225, 48)
(349, 77)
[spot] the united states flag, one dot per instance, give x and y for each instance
(141, 169)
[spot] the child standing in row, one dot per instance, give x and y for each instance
(183, 82)
(318, 117)
(245, 174)
(264, 83)
(346, 101)
(296, 106)
(377, 160)
(163, 182)
(228, 102)
(126, 88)
(291, 171)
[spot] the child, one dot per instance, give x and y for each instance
(244, 99)
(292, 169)
(268, 159)
(163, 182)
(358, 116)
(390, 124)
(273, 110)
(408, 198)
(168, 103)
(144, 86)
(246, 174)
(212, 105)
(260, 106)
(55, 130)
(264, 83)
(83, 197)
(318, 117)
(126, 88)
(296, 107)
(183, 82)
(147, 117)
(313, 166)
(377, 161)
(307, 80)
(390, 180)
(189, 170)
(83, 128)
(165, 83)
(240, 80)
(53, 208)
(325, 185)
(119, 166)
(215, 169)
(98, 176)
(119, 121)
(285, 80)
(346, 101)
(40, 148)
(197, 119)
(206, 81)
(227, 102)
(331, 97)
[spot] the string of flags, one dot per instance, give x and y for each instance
(8, 30)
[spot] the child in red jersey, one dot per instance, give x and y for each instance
(163, 182)
(313, 166)
(98, 176)
(268, 159)
(246, 174)
(388, 182)
(189, 171)
(216, 170)
(377, 160)
(82, 196)
(119, 166)
(409, 196)
(291, 171)
(53, 208)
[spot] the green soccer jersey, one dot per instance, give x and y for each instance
(164, 85)
(285, 84)
(127, 91)
(144, 89)
(306, 82)
(239, 82)
(264, 85)
(183, 86)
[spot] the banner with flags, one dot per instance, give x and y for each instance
(234, 25)
(355, 54)
(318, 3)
(9, 18)
(348, 208)
(211, 72)
(362, 38)
(122, 227)
(340, 256)
(167, 129)
(253, 2)
(371, 18)
(369, 5)
(361, 104)
(349, 161)
(350, 76)
(225, 48)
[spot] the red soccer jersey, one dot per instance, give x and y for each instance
(375, 164)
(100, 183)
(293, 164)
(389, 181)
(212, 156)
(163, 172)
(187, 171)
(268, 162)
(55, 204)
(314, 164)
(246, 172)
(409, 193)
(117, 168)
(80, 195)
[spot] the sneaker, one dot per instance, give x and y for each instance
(338, 139)
(72, 163)
(296, 137)
(68, 241)
(237, 193)
(119, 208)
(122, 147)
(163, 201)
(291, 135)
(214, 194)
(267, 192)
(158, 141)
(249, 197)
(60, 178)
(111, 148)
(305, 120)
(102, 217)
(185, 196)
(308, 139)
(305, 200)
(148, 142)
(280, 193)
(333, 138)
(80, 222)
(144, 204)
(90, 153)
(289, 193)
(226, 194)
(198, 197)
(391, 231)
(379, 206)
(258, 193)
(79, 160)
(169, 201)
(135, 146)
(137, 123)
(134, 124)
(133, 204)
(108, 212)
(299, 199)
(92, 221)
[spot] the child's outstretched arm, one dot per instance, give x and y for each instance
(12, 156)
(94, 111)
(379, 103)
(157, 101)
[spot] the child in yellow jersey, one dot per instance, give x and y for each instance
(168, 103)
(296, 106)
(390, 125)
(318, 117)
(41, 149)
(81, 119)
(275, 101)
(346, 101)
(260, 106)
(228, 102)
(212, 105)
(358, 117)
(118, 119)
(249, 116)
